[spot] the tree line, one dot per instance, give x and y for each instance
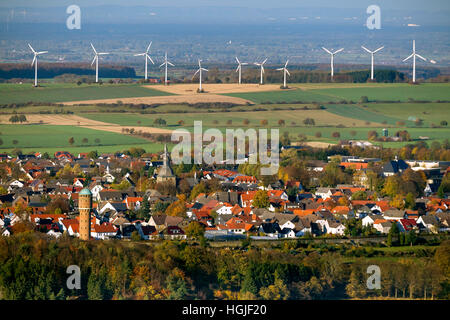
(34, 267)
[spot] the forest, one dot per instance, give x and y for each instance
(51, 70)
(33, 266)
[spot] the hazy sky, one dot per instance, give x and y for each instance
(430, 5)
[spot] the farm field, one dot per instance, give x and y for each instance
(38, 137)
(219, 119)
(55, 93)
(326, 124)
(335, 92)
(392, 92)
(366, 113)
(431, 113)
(215, 88)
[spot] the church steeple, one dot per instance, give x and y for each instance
(165, 173)
(165, 156)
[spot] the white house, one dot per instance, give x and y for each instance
(334, 227)
(324, 193)
(96, 190)
(103, 231)
(16, 183)
(429, 222)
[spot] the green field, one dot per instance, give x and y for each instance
(326, 123)
(53, 138)
(383, 92)
(367, 114)
(53, 93)
(352, 121)
(391, 92)
(285, 96)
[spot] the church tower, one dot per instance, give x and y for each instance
(165, 173)
(85, 208)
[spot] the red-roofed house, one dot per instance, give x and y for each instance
(406, 225)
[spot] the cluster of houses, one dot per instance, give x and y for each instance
(229, 213)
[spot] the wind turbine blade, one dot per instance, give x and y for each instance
(408, 57)
(256, 63)
(237, 69)
(93, 48)
(238, 60)
(148, 48)
(94, 60)
(195, 73)
(286, 63)
(244, 63)
(378, 49)
(31, 48)
(139, 54)
(205, 69)
(34, 59)
(103, 53)
(279, 69)
(287, 71)
(262, 68)
(326, 50)
(42, 52)
(337, 51)
(418, 55)
(149, 58)
(162, 64)
(170, 63)
(366, 49)
(264, 61)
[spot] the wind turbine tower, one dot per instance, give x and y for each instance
(165, 63)
(35, 62)
(285, 70)
(96, 57)
(199, 71)
(414, 55)
(147, 57)
(332, 59)
(372, 53)
(261, 65)
(239, 68)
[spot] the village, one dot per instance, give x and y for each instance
(140, 197)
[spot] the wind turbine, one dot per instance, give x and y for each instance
(262, 69)
(35, 62)
(239, 68)
(97, 54)
(414, 55)
(199, 71)
(372, 53)
(165, 63)
(332, 59)
(147, 57)
(285, 70)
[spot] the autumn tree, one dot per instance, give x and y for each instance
(261, 199)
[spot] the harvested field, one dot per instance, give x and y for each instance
(215, 88)
(187, 98)
(317, 144)
(74, 120)
(56, 119)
